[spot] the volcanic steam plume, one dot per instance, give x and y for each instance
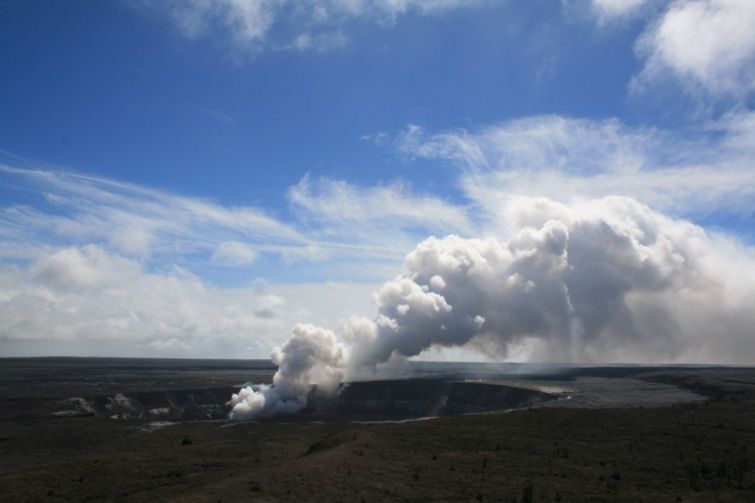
(600, 280)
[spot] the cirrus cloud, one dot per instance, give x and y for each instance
(256, 25)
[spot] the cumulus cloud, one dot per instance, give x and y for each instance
(255, 25)
(86, 268)
(600, 280)
(84, 296)
(706, 45)
(89, 301)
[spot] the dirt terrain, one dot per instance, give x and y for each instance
(698, 451)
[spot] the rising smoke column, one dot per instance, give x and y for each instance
(600, 280)
(311, 356)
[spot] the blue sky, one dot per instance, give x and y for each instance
(256, 145)
(115, 89)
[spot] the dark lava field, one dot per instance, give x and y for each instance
(155, 430)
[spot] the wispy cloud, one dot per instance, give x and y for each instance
(607, 11)
(135, 220)
(337, 204)
(252, 26)
(691, 174)
(333, 222)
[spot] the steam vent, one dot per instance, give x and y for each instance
(357, 401)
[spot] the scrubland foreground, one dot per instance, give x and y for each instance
(701, 452)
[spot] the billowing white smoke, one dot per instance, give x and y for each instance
(311, 356)
(607, 280)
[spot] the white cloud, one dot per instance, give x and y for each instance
(85, 296)
(248, 20)
(318, 42)
(87, 301)
(706, 171)
(338, 203)
(255, 25)
(135, 219)
(234, 253)
(609, 10)
(706, 45)
(135, 240)
(90, 269)
(158, 227)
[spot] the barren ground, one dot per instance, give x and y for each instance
(702, 451)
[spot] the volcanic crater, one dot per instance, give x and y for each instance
(379, 400)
